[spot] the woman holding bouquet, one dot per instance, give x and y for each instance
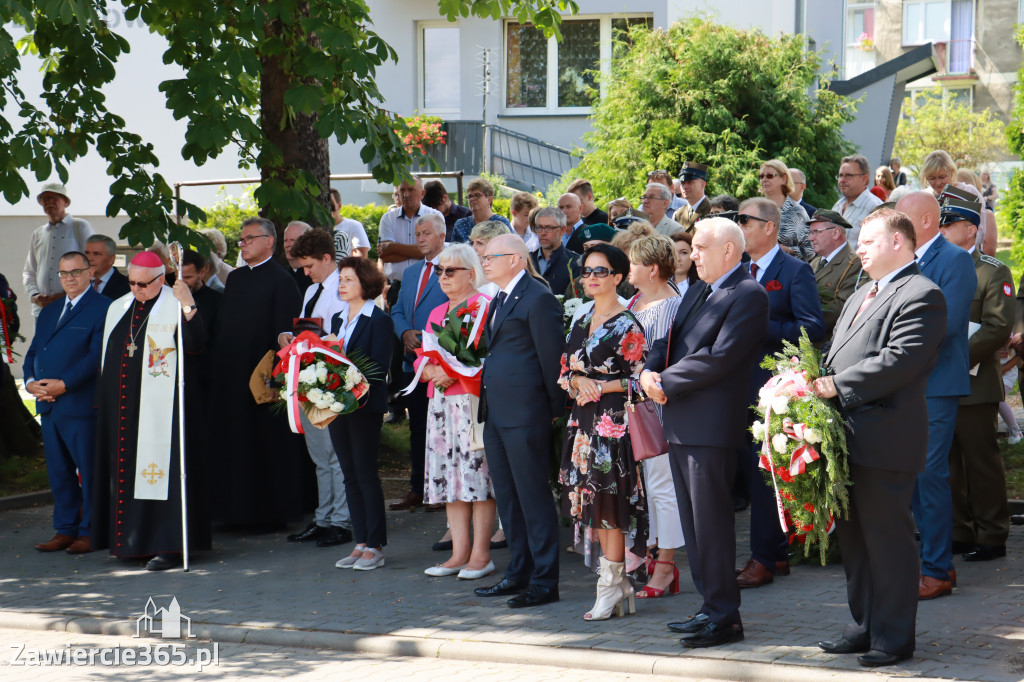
(456, 474)
(364, 330)
(601, 490)
(652, 262)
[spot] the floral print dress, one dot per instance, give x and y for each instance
(600, 480)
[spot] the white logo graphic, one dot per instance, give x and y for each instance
(163, 622)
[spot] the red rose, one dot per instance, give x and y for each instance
(303, 399)
(307, 358)
(809, 507)
(333, 382)
(773, 285)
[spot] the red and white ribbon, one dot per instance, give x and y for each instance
(468, 378)
(291, 363)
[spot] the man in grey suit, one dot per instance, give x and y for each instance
(885, 345)
(702, 378)
(521, 398)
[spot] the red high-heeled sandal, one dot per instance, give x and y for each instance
(649, 592)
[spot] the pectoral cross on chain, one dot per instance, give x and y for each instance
(132, 348)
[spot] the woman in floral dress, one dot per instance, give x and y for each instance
(601, 486)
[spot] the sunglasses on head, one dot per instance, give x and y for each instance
(446, 272)
(600, 271)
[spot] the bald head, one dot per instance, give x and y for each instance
(295, 229)
(923, 210)
(509, 243)
(718, 246)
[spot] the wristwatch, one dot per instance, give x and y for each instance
(187, 309)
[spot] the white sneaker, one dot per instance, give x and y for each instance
(468, 574)
(349, 561)
(369, 564)
(1015, 438)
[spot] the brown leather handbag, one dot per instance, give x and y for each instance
(645, 430)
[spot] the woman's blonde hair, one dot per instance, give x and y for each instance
(635, 230)
(655, 249)
(787, 187)
(488, 230)
(938, 160)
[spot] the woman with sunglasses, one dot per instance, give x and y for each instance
(777, 185)
(456, 475)
(599, 478)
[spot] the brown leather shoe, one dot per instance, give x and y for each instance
(57, 543)
(781, 568)
(932, 588)
(754, 574)
(952, 577)
(81, 545)
(411, 501)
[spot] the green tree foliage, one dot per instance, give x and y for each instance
(718, 95)
(1011, 202)
(928, 123)
(274, 80)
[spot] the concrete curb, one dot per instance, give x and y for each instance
(36, 499)
(691, 667)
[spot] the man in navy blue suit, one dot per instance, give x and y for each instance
(521, 398)
(794, 304)
(952, 269)
(60, 370)
(420, 294)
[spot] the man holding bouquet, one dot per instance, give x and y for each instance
(886, 342)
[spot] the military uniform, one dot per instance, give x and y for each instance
(687, 216)
(837, 280)
(976, 476)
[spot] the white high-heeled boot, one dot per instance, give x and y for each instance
(614, 592)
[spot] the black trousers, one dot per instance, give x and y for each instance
(356, 439)
(417, 403)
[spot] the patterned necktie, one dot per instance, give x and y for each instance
(872, 292)
(499, 301)
(753, 270)
(821, 264)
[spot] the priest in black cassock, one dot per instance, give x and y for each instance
(260, 465)
(137, 479)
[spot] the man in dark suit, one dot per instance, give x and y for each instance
(886, 343)
(60, 371)
(702, 378)
(794, 305)
(837, 269)
(101, 250)
(952, 269)
(555, 262)
(420, 293)
(981, 514)
(522, 398)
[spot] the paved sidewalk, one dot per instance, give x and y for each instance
(263, 590)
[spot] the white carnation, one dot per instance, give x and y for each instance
(352, 376)
(758, 430)
(780, 442)
(308, 375)
(779, 404)
(314, 395)
(336, 408)
(812, 436)
(321, 372)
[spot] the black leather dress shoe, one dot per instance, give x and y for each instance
(442, 546)
(875, 658)
(1017, 519)
(713, 634)
(504, 588)
(691, 625)
(962, 547)
(312, 532)
(842, 646)
(986, 553)
(335, 535)
(163, 562)
(535, 595)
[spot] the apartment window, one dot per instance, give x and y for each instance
(542, 75)
(439, 68)
(859, 55)
(925, 21)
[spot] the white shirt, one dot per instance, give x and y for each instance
(47, 245)
(718, 282)
(104, 278)
(396, 227)
(764, 261)
(253, 267)
(855, 212)
(345, 332)
(830, 257)
(329, 302)
(530, 237)
(356, 232)
(924, 247)
(512, 285)
(888, 278)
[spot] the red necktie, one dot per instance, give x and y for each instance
(96, 283)
(423, 282)
(872, 292)
(753, 270)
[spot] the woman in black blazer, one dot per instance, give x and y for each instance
(363, 329)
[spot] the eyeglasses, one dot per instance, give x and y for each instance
(652, 198)
(143, 285)
(767, 176)
(491, 256)
(743, 218)
(600, 271)
(547, 228)
(250, 239)
(824, 229)
(447, 272)
(77, 272)
(847, 176)
(475, 195)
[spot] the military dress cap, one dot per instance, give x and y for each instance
(825, 215)
(959, 204)
(588, 233)
(692, 171)
(56, 188)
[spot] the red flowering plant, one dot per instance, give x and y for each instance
(419, 132)
(458, 346)
(803, 447)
